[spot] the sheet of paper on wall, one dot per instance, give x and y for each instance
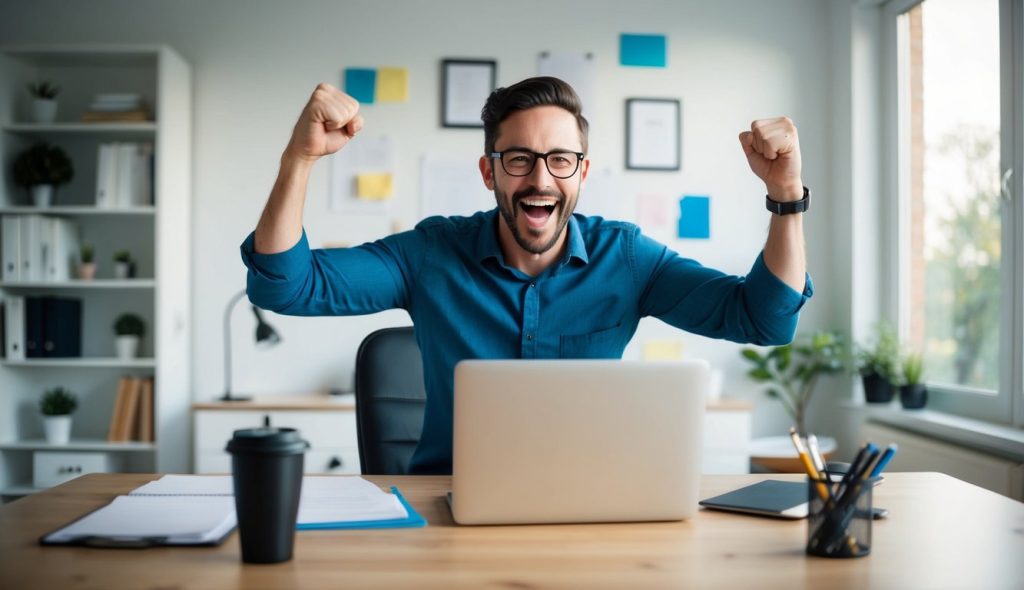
(578, 69)
(452, 186)
(361, 84)
(392, 85)
(695, 217)
(642, 50)
(663, 350)
(374, 187)
(654, 211)
(363, 156)
(602, 195)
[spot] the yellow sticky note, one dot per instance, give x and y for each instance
(373, 187)
(663, 350)
(392, 84)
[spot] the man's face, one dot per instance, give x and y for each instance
(536, 207)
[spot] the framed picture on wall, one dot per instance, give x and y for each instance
(465, 86)
(653, 134)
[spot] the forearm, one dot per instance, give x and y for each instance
(784, 252)
(280, 225)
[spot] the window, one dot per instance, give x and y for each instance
(959, 105)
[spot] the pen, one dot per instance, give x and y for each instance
(884, 460)
(812, 472)
(815, 452)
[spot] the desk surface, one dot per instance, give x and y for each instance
(942, 533)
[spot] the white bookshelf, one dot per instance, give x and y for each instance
(157, 235)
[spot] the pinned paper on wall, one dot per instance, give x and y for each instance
(601, 195)
(578, 69)
(695, 217)
(642, 50)
(361, 84)
(663, 350)
(362, 176)
(373, 187)
(392, 85)
(452, 186)
(653, 211)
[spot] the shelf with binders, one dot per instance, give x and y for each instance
(131, 130)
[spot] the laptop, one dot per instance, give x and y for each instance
(574, 441)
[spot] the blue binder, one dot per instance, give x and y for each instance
(413, 520)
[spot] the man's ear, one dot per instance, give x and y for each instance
(584, 168)
(487, 172)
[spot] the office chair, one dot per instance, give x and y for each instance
(390, 399)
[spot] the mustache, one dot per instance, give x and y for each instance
(532, 191)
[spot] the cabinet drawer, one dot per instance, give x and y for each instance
(214, 429)
(323, 430)
(321, 461)
(50, 468)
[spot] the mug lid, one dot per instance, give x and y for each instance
(267, 440)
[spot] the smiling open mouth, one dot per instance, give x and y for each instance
(538, 211)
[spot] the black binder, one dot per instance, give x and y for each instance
(53, 327)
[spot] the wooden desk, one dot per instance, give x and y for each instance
(942, 533)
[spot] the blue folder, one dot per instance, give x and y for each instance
(413, 520)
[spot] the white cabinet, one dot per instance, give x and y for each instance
(327, 424)
(156, 234)
(727, 427)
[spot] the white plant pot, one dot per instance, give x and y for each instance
(42, 194)
(127, 347)
(44, 110)
(122, 270)
(57, 429)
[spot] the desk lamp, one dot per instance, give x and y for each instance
(266, 337)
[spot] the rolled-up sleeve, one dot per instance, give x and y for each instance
(758, 308)
(364, 279)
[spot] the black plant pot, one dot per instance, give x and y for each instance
(877, 389)
(913, 397)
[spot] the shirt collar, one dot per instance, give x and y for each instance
(487, 242)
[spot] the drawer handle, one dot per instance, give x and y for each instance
(335, 463)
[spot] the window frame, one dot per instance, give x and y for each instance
(1006, 406)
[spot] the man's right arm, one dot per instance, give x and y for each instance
(329, 120)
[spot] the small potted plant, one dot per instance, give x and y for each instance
(124, 266)
(44, 101)
(129, 329)
(86, 264)
(879, 366)
(56, 406)
(793, 370)
(913, 393)
(40, 169)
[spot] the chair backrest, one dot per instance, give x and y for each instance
(390, 399)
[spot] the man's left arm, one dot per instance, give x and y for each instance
(772, 147)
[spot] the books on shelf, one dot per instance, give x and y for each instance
(116, 108)
(38, 248)
(132, 418)
(42, 327)
(124, 175)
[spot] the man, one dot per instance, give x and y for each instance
(528, 279)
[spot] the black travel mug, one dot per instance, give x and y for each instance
(266, 469)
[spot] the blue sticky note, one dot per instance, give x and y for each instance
(642, 50)
(361, 84)
(695, 217)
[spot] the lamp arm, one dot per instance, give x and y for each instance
(227, 340)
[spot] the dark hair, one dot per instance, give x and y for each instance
(531, 92)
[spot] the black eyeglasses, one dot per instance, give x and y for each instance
(561, 164)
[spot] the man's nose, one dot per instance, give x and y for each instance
(540, 174)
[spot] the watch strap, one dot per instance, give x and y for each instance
(789, 207)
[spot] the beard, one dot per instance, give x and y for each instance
(508, 208)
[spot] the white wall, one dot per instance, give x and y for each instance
(255, 64)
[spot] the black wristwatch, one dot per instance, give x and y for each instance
(789, 206)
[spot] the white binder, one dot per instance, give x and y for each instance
(32, 232)
(10, 234)
(14, 325)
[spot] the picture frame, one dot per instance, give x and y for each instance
(653, 134)
(465, 86)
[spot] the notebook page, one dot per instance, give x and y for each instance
(187, 485)
(182, 519)
(346, 499)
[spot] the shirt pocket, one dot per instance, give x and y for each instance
(602, 344)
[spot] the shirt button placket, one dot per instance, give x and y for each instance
(531, 319)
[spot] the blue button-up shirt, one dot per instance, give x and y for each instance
(467, 303)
